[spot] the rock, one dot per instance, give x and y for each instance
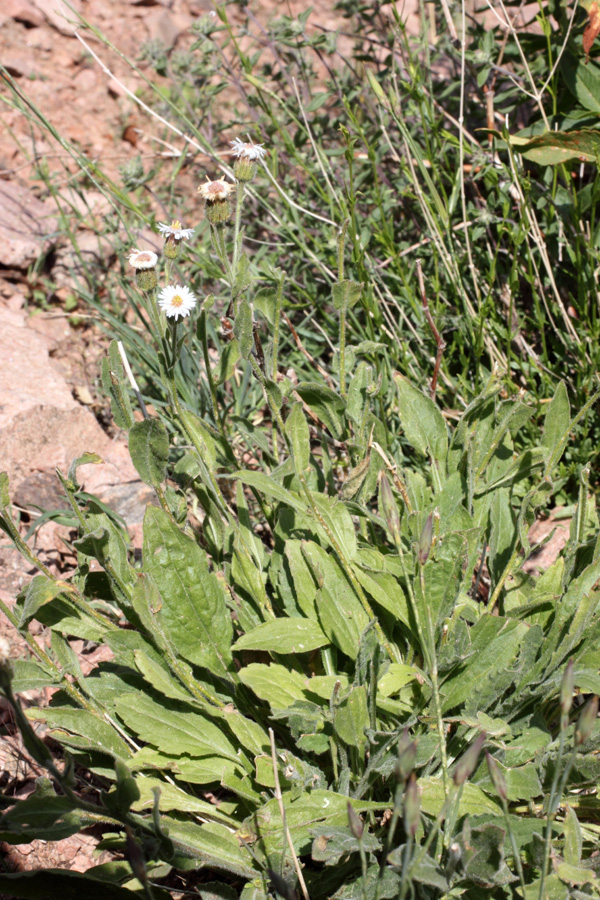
(22, 11)
(166, 26)
(27, 226)
(58, 14)
(95, 251)
(39, 38)
(53, 326)
(43, 427)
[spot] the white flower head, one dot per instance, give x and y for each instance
(214, 191)
(247, 151)
(176, 300)
(142, 259)
(176, 231)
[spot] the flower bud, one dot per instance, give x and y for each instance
(244, 169)
(426, 540)
(407, 755)
(566, 688)
(497, 776)
(467, 764)
(355, 822)
(6, 671)
(388, 507)
(586, 721)
(412, 807)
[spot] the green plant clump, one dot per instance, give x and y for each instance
(333, 673)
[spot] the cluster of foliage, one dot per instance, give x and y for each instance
(332, 616)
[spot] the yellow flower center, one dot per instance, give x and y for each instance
(177, 301)
(175, 225)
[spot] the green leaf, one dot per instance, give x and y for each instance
(303, 812)
(332, 843)
(575, 874)
(85, 459)
(422, 421)
(352, 717)
(174, 798)
(275, 684)
(340, 613)
(228, 360)
(573, 838)
(242, 329)
(582, 79)
(112, 382)
(41, 816)
(174, 728)
(211, 845)
(296, 429)
(346, 294)
(327, 404)
(40, 884)
(284, 636)
(149, 450)
(473, 801)
(556, 420)
(555, 147)
(96, 734)
(41, 590)
(193, 612)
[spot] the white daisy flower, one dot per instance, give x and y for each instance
(176, 231)
(142, 259)
(244, 150)
(176, 300)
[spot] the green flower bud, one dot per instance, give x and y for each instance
(412, 807)
(566, 689)
(586, 721)
(467, 764)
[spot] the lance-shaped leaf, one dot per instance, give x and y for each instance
(149, 450)
(193, 613)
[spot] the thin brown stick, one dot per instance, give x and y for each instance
(283, 818)
(303, 350)
(441, 344)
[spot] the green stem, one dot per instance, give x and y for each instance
(43, 657)
(209, 375)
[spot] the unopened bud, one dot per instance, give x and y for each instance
(388, 508)
(566, 688)
(497, 776)
(412, 807)
(135, 856)
(426, 540)
(586, 721)
(407, 755)
(467, 763)
(6, 672)
(244, 169)
(355, 822)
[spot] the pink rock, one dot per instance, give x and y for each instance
(22, 11)
(27, 225)
(58, 14)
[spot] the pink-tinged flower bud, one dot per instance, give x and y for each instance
(412, 807)
(467, 764)
(426, 540)
(586, 721)
(355, 822)
(407, 755)
(566, 689)
(497, 776)
(388, 508)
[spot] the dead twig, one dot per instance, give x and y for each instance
(283, 818)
